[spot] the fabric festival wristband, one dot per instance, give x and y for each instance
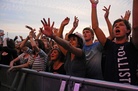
(94, 5)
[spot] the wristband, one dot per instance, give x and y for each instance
(94, 5)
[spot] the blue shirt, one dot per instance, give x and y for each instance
(93, 54)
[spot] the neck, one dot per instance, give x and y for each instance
(121, 40)
(56, 62)
(88, 42)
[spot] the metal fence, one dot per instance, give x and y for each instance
(31, 80)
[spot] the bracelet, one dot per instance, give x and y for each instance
(94, 5)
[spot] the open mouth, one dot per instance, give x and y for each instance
(117, 31)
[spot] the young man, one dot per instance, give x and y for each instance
(121, 59)
(93, 52)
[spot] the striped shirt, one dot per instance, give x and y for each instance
(39, 62)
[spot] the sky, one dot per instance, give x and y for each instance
(15, 14)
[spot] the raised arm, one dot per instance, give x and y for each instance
(127, 15)
(108, 22)
(21, 37)
(25, 40)
(135, 23)
(15, 38)
(39, 34)
(32, 41)
(75, 25)
(95, 25)
(63, 24)
(65, 44)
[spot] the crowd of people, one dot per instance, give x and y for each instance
(113, 58)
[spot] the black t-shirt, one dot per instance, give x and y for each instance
(61, 70)
(120, 62)
(9, 55)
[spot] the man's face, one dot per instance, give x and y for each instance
(120, 29)
(87, 35)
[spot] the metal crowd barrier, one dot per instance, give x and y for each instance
(31, 80)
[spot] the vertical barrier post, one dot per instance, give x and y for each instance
(77, 86)
(21, 82)
(14, 81)
(62, 86)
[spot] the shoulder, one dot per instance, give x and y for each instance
(108, 43)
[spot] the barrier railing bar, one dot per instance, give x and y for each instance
(92, 82)
(112, 85)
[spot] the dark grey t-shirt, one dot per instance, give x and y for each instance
(76, 67)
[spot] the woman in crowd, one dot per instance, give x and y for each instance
(38, 57)
(75, 57)
(55, 63)
(22, 59)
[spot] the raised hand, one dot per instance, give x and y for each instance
(76, 21)
(94, 1)
(30, 28)
(47, 28)
(65, 21)
(106, 11)
(127, 15)
(32, 32)
(21, 37)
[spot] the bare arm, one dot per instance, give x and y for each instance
(75, 25)
(63, 24)
(31, 36)
(13, 61)
(65, 44)
(108, 22)
(39, 34)
(135, 23)
(26, 65)
(127, 15)
(33, 43)
(95, 25)
(27, 38)
(23, 42)
(21, 38)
